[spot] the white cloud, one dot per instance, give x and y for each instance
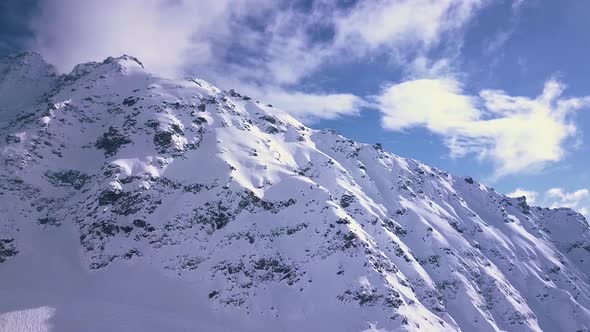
(437, 104)
(268, 47)
(268, 43)
(404, 30)
(531, 196)
(518, 134)
(171, 37)
(160, 33)
(578, 200)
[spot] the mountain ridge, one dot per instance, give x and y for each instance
(269, 223)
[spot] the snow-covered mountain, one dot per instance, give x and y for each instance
(132, 202)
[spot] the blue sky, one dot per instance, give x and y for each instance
(493, 89)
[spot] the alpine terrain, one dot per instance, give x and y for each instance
(132, 202)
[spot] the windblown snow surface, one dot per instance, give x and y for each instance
(131, 202)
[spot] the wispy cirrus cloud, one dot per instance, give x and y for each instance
(400, 26)
(499, 40)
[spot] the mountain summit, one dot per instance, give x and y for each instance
(132, 202)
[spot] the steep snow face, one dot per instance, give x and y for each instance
(134, 202)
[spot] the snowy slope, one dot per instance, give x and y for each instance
(131, 202)
(24, 78)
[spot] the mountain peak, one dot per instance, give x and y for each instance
(124, 60)
(110, 66)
